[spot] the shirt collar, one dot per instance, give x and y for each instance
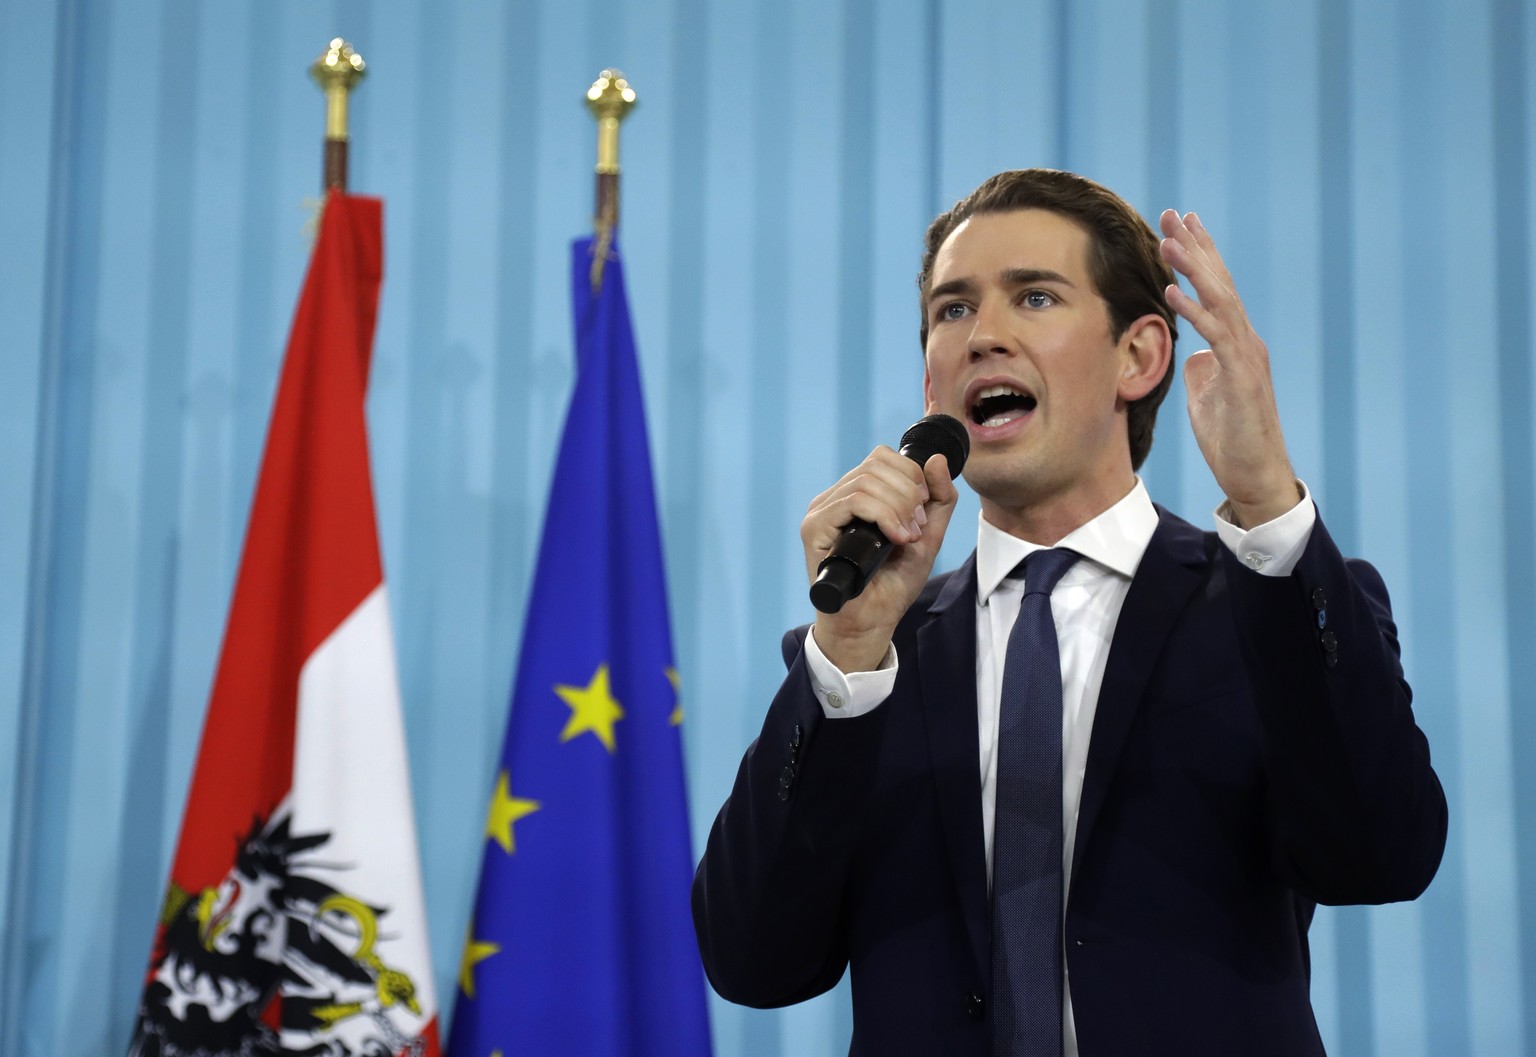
(1115, 541)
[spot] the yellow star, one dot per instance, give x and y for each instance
(592, 709)
(676, 680)
(505, 810)
(475, 952)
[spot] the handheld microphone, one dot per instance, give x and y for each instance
(862, 548)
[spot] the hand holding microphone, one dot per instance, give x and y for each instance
(870, 519)
(861, 547)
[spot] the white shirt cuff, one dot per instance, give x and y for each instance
(845, 696)
(1273, 548)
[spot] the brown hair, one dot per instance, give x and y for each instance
(1123, 261)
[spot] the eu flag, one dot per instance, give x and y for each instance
(581, 940)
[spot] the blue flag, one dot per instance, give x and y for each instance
(581, 940)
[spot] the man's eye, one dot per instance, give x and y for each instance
(953, 310)
(1038, 299)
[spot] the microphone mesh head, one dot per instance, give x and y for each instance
(938, 434)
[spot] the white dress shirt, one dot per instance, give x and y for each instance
(1085, 607)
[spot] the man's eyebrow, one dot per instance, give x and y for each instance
(1025, 276)
(1012, 277)
(950, 288)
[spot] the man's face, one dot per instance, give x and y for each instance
(1019, 349)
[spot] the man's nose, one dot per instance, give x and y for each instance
(989, 333)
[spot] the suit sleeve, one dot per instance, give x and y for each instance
(1357, 813)
(768, 896)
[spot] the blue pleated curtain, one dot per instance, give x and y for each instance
(1367, 166)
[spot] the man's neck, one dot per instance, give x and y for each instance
(1052, 519)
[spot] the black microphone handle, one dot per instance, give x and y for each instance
(861, 548)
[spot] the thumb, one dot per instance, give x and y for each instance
(1200, 371)
(942, 496)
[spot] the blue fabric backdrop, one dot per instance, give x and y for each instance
(1366, 165)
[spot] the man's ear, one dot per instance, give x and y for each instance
(928, 407)
(1146, 351)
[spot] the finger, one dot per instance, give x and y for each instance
(1174, 229)
(1179, 251)
(1194, 255)
(1189, 232)
(1219, 314)
(941, 506)
(1200, 369)
(821, 528)
(901, 496)
(941, 488)
(889, 460)
(879, 484)
(1218, 300)
(1211, 328)
(904, 487)
(900, 471)
(1214, 262)
(884, 463)
(1207, 245)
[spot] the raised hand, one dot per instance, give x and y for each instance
(912, 505)
(1231, 395)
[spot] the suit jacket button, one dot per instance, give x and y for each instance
(794, 739)
(1330, 641)
(1319, 598)
(973, 1006)
(786, 779)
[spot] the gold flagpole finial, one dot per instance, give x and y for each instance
(610, 99)
(337, 71)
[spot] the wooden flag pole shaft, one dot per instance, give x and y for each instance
(606, 210)
(337, 72)
(335, 164)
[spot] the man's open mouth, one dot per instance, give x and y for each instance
(998, 405)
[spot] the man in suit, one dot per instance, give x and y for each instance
(1236, 739)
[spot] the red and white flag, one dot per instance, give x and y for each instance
(293, 921)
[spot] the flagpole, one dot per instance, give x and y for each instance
(581, 940)
(294, 919)
(610, 99)
(337, 71)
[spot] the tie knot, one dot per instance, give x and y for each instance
(1044, 569)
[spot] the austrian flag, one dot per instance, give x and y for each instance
(293, 921)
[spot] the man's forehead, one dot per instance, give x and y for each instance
(1015, 240)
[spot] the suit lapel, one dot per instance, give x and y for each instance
(946, 658)
(1170, 572)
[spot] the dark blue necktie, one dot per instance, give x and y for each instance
(1026, 835)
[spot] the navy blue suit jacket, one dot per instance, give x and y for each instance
(1253, 754)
